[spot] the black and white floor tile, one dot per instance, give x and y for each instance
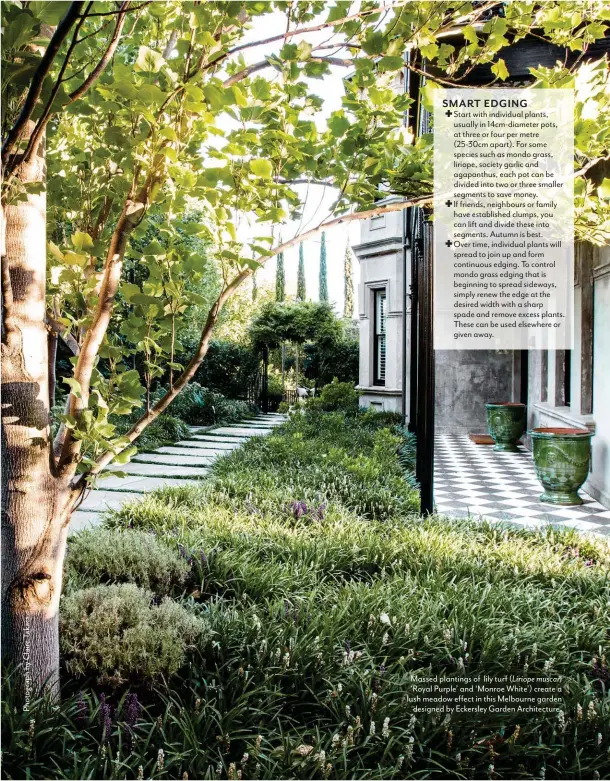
(474, 480)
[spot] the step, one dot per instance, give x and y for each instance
(230, 442)
(112, 483)
(141, 484)
(193, 452)
(257, 426)
(84, 520)
(206, 448)
(100, 500)
(183, 459)
(159, 470)
(234, 431)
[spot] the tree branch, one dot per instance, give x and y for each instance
(319, 182)
(64, 333)
(42, 122)
(106, 57)
(120, 10)
(259, 66)
(44, 66)
(163, 403)
(129, 218)
(314, 28)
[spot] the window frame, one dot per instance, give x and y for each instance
(378, 293)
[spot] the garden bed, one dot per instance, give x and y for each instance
(276, 614)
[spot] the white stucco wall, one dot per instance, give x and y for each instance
(548, 414)
(381, 266)
(599, 479)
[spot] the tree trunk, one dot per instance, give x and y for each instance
(34, 507)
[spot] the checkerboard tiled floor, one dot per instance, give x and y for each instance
(474, 480)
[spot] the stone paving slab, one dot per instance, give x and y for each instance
(100, 500)
(84, 520)
(144, 484)
(117, 483)
(213, 448)
(234, 431)
(168, 459)
(159, 470)
(257, 429)
(197, 452)
(170, 466)
(230, 441)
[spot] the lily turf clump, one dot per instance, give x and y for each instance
(315, 606)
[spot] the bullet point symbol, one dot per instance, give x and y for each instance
(448, 113)
(448, 203)
(448, 243)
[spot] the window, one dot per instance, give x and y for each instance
(379, 347)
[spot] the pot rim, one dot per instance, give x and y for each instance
(557, 431)
(505, 404)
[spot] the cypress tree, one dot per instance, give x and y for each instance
(323, 290)
(301, 290)
(254, 287)
(280, 279)
(348, 277)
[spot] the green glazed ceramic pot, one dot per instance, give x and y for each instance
(505, 423)
(562, 457)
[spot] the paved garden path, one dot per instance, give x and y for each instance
(179, 464)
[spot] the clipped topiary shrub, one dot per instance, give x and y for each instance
(117, 556)
(119, 634)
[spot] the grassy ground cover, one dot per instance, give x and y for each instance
(268, 624)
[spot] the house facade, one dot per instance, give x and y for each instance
(561, 388)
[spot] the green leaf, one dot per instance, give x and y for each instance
(427, 95)
(316, 70)
(338, 11)
(74, 386)
(390, 63)
(55, 251)
(81, 241)
(338, 123)
(500, 70)
(261, 167)
(18, 32)
(380, 96)
(49, 12)
(74, 258)
(288, 51)
(304, 50)
(595, 31)
(373, 43)
(128, 290)
(169, 133)
(239, 96)
(429, 50)
(470, 34)
(149, 61)
(214, 96)
(125, 455)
